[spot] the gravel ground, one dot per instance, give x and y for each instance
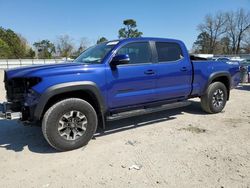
(176, 148)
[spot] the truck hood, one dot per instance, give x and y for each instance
(48, 70)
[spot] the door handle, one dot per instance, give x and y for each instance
(184, 69)
(149, 72)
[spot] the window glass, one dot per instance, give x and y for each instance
(139, 52)
(95, 54)
(168, 51)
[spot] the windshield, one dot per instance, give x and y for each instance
(95, 54)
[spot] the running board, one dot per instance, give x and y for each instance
(132, 113)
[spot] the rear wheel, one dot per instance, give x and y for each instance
(215, 98)
(69, 124)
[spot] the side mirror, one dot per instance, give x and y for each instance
(120, 59)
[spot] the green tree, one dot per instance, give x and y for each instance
(129, 31)
(30, 53)
(101, 40)
(201, 45)
(4, 50)
(45, 48)
(16, 45)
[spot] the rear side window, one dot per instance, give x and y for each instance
(139, 52)
(168, 51)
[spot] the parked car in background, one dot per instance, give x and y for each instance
(222, 59)
(245, 71)
(245, 65)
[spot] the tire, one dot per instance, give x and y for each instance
(69, 124)
(215, 98)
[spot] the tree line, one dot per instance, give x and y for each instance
(224, 33)
(13, 45)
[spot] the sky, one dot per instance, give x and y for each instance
(47, 19)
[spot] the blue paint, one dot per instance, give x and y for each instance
(129, 85)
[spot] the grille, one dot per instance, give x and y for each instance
(15, 89)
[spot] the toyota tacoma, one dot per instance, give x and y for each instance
(113, 80)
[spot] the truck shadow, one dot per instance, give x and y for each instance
(245, 87)
(147, 119)
(15, 137)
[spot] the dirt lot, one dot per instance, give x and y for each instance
(176, 148)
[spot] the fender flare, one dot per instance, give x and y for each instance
(68, 87)
(217, 75)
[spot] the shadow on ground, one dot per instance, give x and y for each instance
(14, 136)
(245, 87)
(143, 120)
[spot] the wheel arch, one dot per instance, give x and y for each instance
(84, 90)
(223, 77)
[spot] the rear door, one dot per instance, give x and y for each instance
(133, 83)
(174, 70)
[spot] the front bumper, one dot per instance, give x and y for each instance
(6, 113)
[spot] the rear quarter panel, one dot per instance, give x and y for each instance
(204, 70)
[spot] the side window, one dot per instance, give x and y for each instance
(168, 51)
(139, 52)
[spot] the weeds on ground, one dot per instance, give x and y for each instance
(193, 129)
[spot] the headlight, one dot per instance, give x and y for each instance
(30, 82)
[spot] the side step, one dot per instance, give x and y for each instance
(132, 113)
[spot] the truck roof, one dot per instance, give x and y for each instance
(147, 39)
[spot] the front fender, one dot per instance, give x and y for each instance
(68, 87)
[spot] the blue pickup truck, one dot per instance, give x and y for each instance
(113, 80)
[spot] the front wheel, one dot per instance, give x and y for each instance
(215, 98)
(69, 124)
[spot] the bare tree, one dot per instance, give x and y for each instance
(65, 46)
(238, 23)
(84, 43)
(246, 43)
(214, 26)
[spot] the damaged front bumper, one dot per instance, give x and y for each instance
(6, 113)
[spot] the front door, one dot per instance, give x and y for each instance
(133, 83)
